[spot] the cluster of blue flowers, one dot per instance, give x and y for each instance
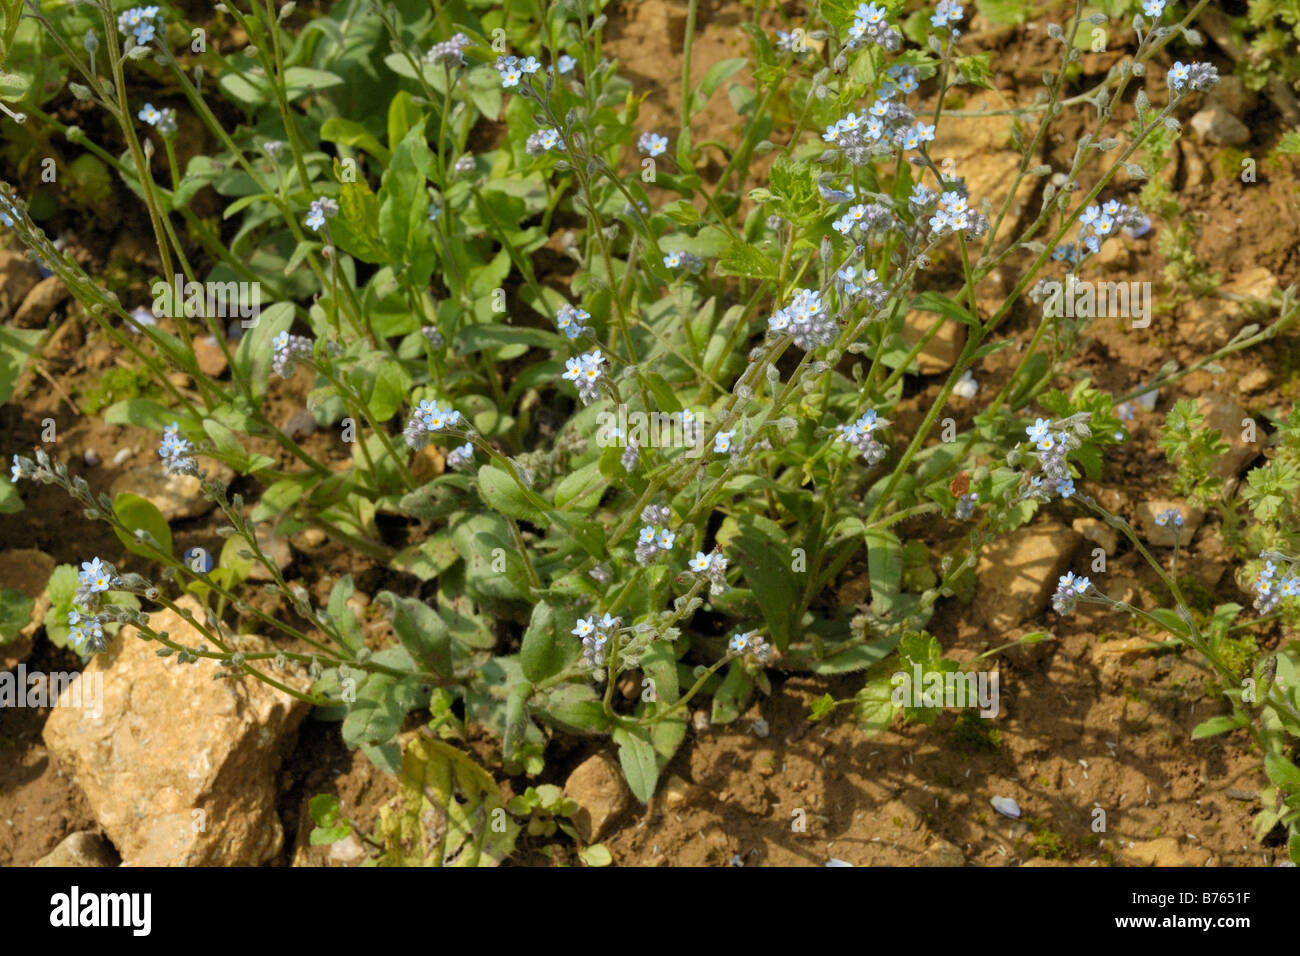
(428, 418)
(585, 372)
(320, 210)
(948, 13)
(140, 23)
(175, 452)
(652, 144)
(1068, 591)
(1170, 516)
(571, 320)
(686, 262)
(1270, 589)
(651, 542)
(288, 350)
(952, 212)
(889, 124)
(870, 26)
(751, 644)
(85, 627)
(462, 457)
(595, 635)
(86, 632)
(712, 567)
(543, 141)
(866, 286)
(164, 120)
(806, 320)
(449, 53)
(1099, 223)
(1192, 76)
(513, 69)
(860, 435)
(1051, 449)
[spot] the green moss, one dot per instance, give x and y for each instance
(113, 386)
(973, 733)
(1045, 843)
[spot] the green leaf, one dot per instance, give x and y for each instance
(885, 566)
(448, 812)
(10, 500)
(596, 855)
(821, 708)
(502, 493)
(139, 514)
(545, 651)
(734, 694)
(934, 302)
(636, 755)
(227, 443)
(742, 259)
(16, 345)
(421, 631)
(376, 715)
(15, 613)
(1282, 772)
(141, 412)
(717, 74)
(253, 357)
(763, 550)
(1213, 726)
(348, 132)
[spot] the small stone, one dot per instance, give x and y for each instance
(1256, 380)
(275, 548)
(1217, 127)
(91, 458)
(1162, 536)
(18, 276)
(597, 785)
(81, 850)
(700, 721)
(942, 351)
(1165, 851)
(429, 462)
(1234, 424)
(629, 687)
(677, 792)
(347, 850)
(1017, 574)
(299, 425)
(941, 853)
(309, 539)
(1098, 532)
(1233, 95)
(834, 862)
(1007, 807)
(151, 771)
(761, 728)
(39, 303)
(177, 496)
(208, 354)
(122, 455)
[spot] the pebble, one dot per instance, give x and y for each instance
(120, 458)
(834, 862)
(761, 728)
(1006, 806)
(300, 424)
(700, 721)
(90, 457)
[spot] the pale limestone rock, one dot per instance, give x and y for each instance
(171, 741)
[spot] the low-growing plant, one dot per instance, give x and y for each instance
(652, 476)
